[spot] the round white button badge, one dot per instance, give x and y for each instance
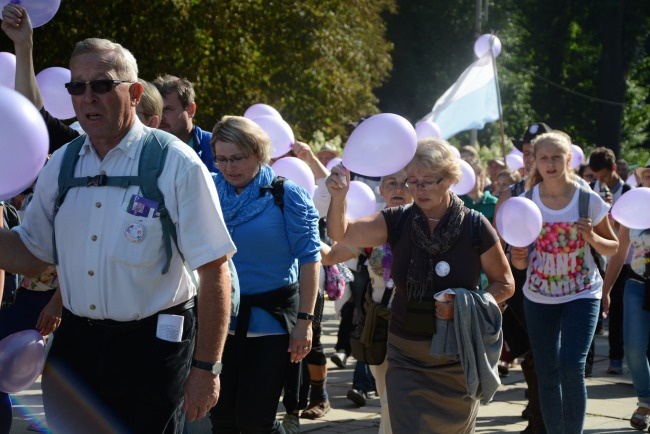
(442, 268)
(134, 232)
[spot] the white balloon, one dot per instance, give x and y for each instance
(631, 180)
(514, 161)
(467, 181)
(577, 156)
(257, 110)
(454, 150)
(631, 209)
(516, 151)
(359, 201)
(333, 162)
(482, 45)
(297, 171)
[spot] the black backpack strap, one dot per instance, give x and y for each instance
(277, 190)
(150, 166)
(385, 299)
(626, 187)
(583, 201)
(528, 194)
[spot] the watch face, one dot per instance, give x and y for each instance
(217, 367)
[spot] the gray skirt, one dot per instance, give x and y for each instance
(426, 394)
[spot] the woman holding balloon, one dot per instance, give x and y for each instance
(432, 251)
(563, 287)
(278, 262)
(636, 296)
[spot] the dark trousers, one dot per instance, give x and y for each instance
(616, 315)
(254, 373)
(346, 325)
(115, 379)
(22, 314)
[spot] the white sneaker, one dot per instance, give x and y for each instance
(339, 359)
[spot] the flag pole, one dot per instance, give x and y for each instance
(496, 83)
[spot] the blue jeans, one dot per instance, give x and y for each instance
(636, 332)
(560, 335)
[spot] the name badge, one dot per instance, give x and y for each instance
(142, 207)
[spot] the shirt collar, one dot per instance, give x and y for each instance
(128, 144)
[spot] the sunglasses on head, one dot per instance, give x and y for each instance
(98, 86)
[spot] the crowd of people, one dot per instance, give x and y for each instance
(179, 278)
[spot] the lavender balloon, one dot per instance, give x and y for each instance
(577, 156)
(56, 99)
(631, 209)
(7, 69)
(22, 357)
(427, 129)
(514, 161)
(297, 171)
(333, 162)
(380, 145)
(24, 143)
(519, 221)
(360, 201)
(467, 181)
(39, 11)
(280, 133)
(482, 45)
(257, 110)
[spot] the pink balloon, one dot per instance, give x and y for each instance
(631, 209)
(56, 99)
(257, 110)
(427, 129)
(467, 181)
(280, 133)
(39, 11)
(7, 69)
(22, 357)
(333, 162)
(360, 201)
(380, 145)
(24, 143)
(519, 221)
(577, 156)
(482, 45)
(297, 171)
(515, 162)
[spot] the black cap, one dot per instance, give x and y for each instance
(532, 131)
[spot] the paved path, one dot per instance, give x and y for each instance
(611, 400)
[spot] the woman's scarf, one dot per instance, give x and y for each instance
(425, 248)
(240, 208)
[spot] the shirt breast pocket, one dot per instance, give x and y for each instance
(139, 241)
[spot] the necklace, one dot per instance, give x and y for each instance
(433, 220)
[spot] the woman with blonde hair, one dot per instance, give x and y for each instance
(433, 249)
(563, 287)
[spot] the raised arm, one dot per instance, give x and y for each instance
(18, 27)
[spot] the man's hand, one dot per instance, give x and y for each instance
(300, 340)
(201, 393)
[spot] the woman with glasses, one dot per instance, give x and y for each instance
(432, 247)
(278, 263)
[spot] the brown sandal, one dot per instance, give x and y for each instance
(640, 421)
(317, 410)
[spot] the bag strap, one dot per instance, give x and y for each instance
(583, 202)
(277, 190)
(150, 166)
(388, 292)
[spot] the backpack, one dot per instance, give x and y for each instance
(150, 166)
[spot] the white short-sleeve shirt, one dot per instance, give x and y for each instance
(110, 260)
(561, 267)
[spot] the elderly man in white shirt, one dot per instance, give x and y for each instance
(114, 366)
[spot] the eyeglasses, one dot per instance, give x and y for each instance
(424, 185)
(98, 86)
(394, 185)
(234, 160)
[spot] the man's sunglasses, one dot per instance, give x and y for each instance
(98, 86)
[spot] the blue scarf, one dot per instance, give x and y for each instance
(240, 208)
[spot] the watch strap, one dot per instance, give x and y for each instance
(306, 316)
(214, 367)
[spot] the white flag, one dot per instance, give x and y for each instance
(470, 103)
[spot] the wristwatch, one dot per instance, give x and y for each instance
(214, 367)
(305, 315)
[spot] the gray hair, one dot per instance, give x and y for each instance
(436, 155)
(123, 61)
